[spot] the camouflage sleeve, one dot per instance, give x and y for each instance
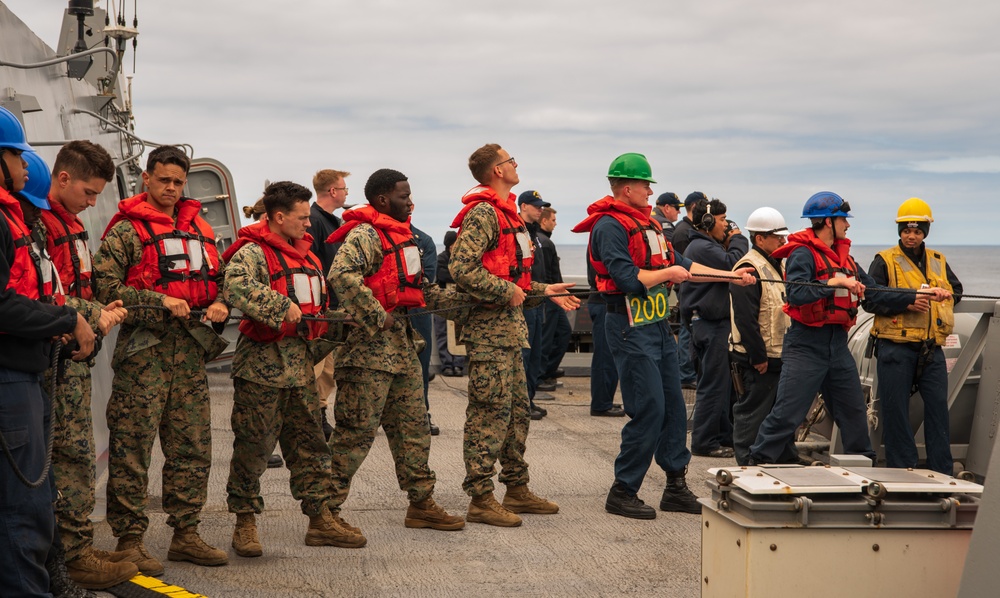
(358, 257)
(536, 296)
(120, 251)
(480, 233)
(221, 278)
(244, 288)
(90, 310)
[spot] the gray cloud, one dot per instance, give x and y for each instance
(756, 103)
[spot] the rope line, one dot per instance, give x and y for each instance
(578, 294)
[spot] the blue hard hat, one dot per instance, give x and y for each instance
(826, 204)
(39, 181)
(11, 132)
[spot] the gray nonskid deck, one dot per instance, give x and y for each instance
(582, 551)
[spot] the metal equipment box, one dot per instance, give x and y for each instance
(835, 531)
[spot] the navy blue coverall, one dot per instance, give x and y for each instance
(816, 359)
(646, 360)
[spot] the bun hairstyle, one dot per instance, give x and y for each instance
(255, 211)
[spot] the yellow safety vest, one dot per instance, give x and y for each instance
(911, 326)
(771, 318)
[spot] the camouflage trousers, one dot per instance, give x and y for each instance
(366, 399)
(159, 390)
(73, 462)
(263, 415)
(496, 420)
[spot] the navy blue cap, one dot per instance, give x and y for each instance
(693, 198)
(532, 198)
(668, 199)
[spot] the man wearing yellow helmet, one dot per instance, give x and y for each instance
(908, 346)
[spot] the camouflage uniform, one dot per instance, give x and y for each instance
(160, 386)
(73, 458)
(496, 420)
(379, 381)
(275, 396)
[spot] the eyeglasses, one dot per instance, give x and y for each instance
(510, 159)
(339, 188)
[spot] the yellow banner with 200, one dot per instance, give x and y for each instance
(649, 309)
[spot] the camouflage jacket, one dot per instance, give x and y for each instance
(495, 325)
(118, 253)
(367, 345)
(287, 363)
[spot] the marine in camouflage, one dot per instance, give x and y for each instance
(379, 381)
(497, 417)
(73, 448)
(274, 397)
(159, 387)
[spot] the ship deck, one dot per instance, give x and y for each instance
(581, 551)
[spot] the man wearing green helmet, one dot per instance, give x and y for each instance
(635, 268)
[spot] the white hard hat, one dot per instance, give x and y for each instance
(767, 220)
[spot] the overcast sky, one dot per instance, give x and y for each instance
(756, 103)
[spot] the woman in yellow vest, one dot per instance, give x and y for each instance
(909, 343)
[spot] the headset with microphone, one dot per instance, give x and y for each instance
(708, 220)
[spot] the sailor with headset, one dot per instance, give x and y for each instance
(717, 243)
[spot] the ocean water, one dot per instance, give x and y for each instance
(977, 266)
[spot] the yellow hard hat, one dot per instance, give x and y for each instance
(914, 210)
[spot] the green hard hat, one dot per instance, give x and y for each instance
(631, 166)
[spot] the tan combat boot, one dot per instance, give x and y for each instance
(245, 540)
(344, 524)
(129, 556)
(326, 530)
(486, 509)
(93, 573)
(521, 500)
(427, 514)
(146, 563)
(187, 545)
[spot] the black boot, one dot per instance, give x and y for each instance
(60, 585)
(622, 502)
(677, 496)
(327, 428)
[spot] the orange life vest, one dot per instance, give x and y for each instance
(512, 258)
(32, 273)
(647, 246)
(179, 260)
(67, 245)
(295, 272)
(399, 282)
(836, 262)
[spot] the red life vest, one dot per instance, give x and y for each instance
(647, 246)
(399, 282)
(179, 260)
(512, 258)
(295, 272)
(836, 262)
(32, 273)
(67, 244)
